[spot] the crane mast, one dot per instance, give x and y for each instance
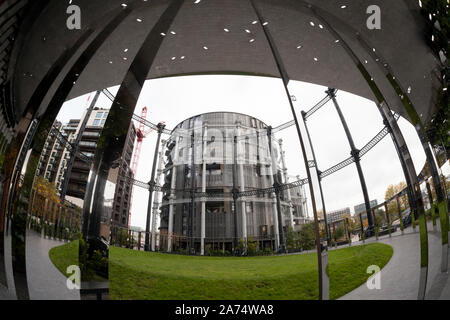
(140, 136)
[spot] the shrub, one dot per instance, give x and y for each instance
(252, 247)
(307, 236)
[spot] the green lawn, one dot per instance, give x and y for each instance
(64, 256)
(136, 275)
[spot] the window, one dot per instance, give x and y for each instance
(105, 115)
(96, 122)
(103, 122)
(99, 115)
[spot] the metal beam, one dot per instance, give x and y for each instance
(321, 249)
(382, 101)
(355, 155)
(152, 185)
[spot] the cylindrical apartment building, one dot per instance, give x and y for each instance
(207, 158)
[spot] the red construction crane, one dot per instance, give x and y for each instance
(140, 136)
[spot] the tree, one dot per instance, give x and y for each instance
(46, 189)
(292, 240)
(340, 233)
(391, 191)
(381, 217)
(307, 236)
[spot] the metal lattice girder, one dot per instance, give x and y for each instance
(293, 185)
(318, 106)
(369, 146)
(380, 136)
(248, 193)
(289, 124)
(337, 167)
(58, 135)
(284, 126)
(145, 122)
(108, 94)
(372, 143)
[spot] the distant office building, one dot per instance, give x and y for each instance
(361, 208)
(50, 156)
(55, 158)
(338, 215)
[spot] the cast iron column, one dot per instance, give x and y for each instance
(276, 186)
(152, 185)
(172, 197)
(235, 195)
(400, 216)
(319, 175)
(286, 180)
(192, 203)
(363, 238)
(155, 202)
(355, 154)
(388, 218)
(204, 164)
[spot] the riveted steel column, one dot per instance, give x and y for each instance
(172, 197)
(276, 185)
(414, 191)
(192, 202)
(288, 191)
(400, 215)
(272, 196)
(402, 151)
(355, 154)
(416, 120)
(235, 192)
(156, 202)
(152, 185)
(382, 101)
(375, 224)
(322, 249)
(203, 217)
(314, 164)
(241, 160)
(362, 228)
(388, 219)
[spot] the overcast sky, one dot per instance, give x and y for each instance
(173, 100)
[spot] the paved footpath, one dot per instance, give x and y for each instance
(45, 282)
(400, 277)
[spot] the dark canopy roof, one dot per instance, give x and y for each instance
(200, 44)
